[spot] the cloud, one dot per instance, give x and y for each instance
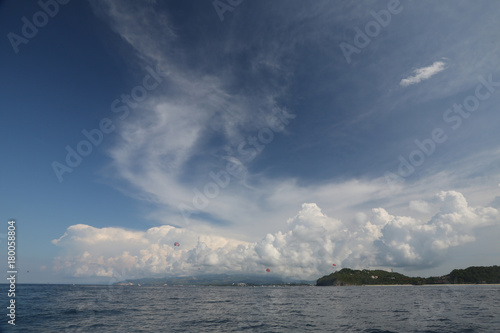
(307, 248)
(423, 73)
(419, 206)
(407, 241)
(166, 151)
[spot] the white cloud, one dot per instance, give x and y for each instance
(423, 73)
(170, 131)
(310, 244)
(419, 206)
(189, 109)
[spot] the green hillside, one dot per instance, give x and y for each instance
(470, 275)
(349, 277)
(476, 274)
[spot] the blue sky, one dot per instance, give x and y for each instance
(255, 141)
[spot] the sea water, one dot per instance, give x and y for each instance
(84, 308)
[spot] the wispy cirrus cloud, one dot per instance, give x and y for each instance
(423, 73)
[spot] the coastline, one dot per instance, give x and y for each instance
(425, 285)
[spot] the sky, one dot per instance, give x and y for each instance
(289, 135)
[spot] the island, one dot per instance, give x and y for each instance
(351, 277)
(343, 277)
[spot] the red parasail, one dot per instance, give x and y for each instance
(268, 270)
(177, 244)
(334, 265)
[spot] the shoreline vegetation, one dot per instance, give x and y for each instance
(343, 277)
(365, 277)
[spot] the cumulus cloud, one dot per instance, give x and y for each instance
(423, 73)
(309, 245)
(419, 206)
(114, 251)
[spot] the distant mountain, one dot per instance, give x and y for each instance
(214, 280)
(344, 277)
(350, 277)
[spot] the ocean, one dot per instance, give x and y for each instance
(86, 308)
